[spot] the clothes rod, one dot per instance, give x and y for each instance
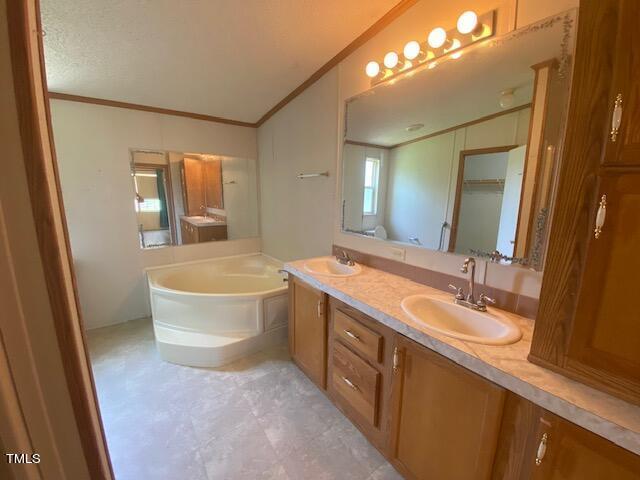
(310, 175)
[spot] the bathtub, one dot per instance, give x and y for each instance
(209, 313)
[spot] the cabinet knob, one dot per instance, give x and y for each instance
(542, 449)
(601, 216)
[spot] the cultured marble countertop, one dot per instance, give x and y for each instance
(199, 221)
(378, 294)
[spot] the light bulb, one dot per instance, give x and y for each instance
(467, 22)
(372, 69)
(437, 37)
(391, 60)
(411, 50)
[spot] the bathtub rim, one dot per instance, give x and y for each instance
(154, 287)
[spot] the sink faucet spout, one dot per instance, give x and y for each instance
(470, 262)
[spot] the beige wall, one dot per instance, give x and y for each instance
(315, 112)
(296, 215)
(92, 144)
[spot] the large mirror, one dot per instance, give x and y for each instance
(183, 198)
(461, 155)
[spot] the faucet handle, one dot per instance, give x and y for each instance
(484, 300)
(459, 294)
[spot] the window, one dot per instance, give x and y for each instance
(148, 205)
(371, 176)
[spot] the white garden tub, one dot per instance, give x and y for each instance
(210, 313)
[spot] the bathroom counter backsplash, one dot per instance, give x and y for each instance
(378, 294)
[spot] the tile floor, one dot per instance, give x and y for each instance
(258, 418)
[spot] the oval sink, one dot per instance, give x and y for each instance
(330, 267)
(445, 317)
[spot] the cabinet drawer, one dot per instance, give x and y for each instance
(357, 382)
(362, 339)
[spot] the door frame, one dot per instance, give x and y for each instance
(453, 233)
(169, 193)
(39, 158)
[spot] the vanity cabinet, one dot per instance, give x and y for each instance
(308, 330)
(538, 445)
(201, 233)
(588, 324)
(360, 369)
(445, 419)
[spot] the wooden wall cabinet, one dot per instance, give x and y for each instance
(445, 419)
(308, 330)
(213, 184)
(193, 187)
(588, 324)
(538, 445)
(201, 185)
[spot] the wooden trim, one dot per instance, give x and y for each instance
(169, 191)
(516, 250)
(453, 233)
(400, 8)
(46, 215)
(364, 144)
(147, 108)
(464, 125)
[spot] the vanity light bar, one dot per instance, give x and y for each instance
(470, 28)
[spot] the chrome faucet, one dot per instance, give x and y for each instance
(470, 261)
(469, 300)
(345, 259)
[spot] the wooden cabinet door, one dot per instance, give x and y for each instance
(445, 419)
(623, 146)
(213, 184)
(189, 233)
(193, 185)
(573, 453)
(308, 330)
(605, 341)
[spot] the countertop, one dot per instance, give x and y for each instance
(378, 294)
(200, 221)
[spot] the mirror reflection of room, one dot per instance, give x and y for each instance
(461, 158)
(186, 198)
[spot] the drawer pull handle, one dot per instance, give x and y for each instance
(542, 449)
(350, 334)
(616, 118)
(396, 359)
(320, 309)
(351, 385)
(600, 216)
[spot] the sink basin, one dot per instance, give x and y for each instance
(330, 267)
(443, 316)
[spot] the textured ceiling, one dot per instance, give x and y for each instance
(228, 58)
